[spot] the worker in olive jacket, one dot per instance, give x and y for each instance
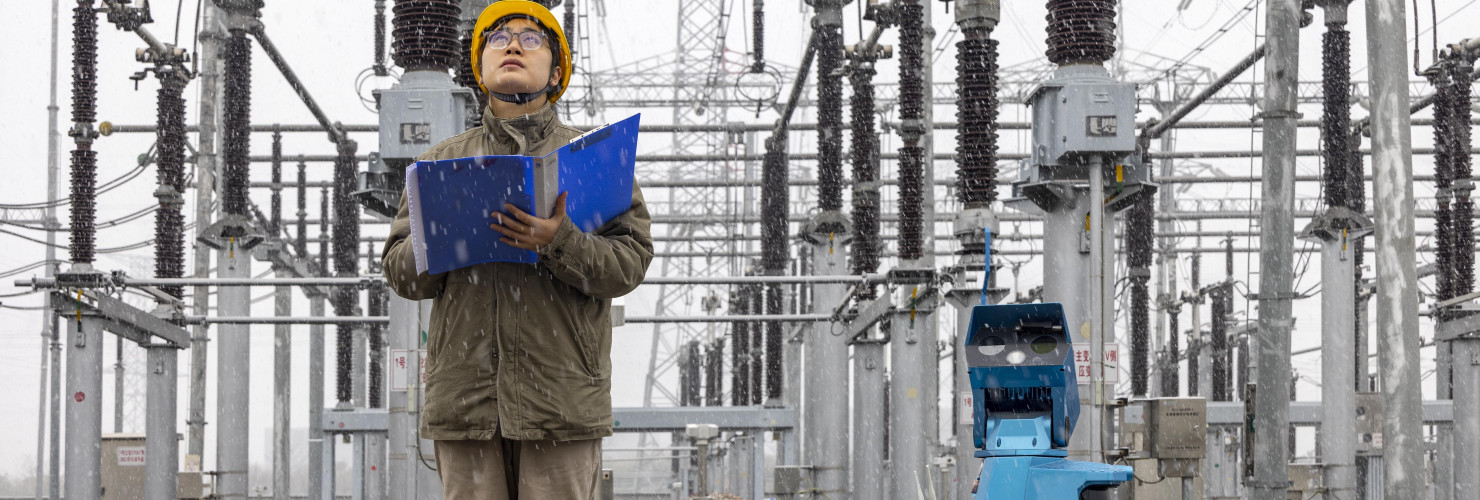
(518, 391)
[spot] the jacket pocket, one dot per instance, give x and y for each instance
(594, 337)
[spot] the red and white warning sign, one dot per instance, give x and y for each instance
(966, 407)
(131, 456)
(400, 368)
(1111, 367)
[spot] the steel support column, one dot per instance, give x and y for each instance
(48, 470)
(233, 377)
(1277, 233)
(1397, 298)
(1066, 252)
(968, 467)
(825, 420)
(317, 440)
(1466, 429)
(282, 384)
(206, 161)
(913, 372)
(868, 420)
(161, 441)
(406, 474)
(1338, 376)
(1101, 317)
(84, 419)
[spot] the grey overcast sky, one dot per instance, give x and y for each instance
(329, 43)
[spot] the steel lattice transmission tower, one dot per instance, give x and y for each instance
(698, 75)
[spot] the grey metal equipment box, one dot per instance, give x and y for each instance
(123, 466)
(1071, 118)
(191, 486)
(1369, 424)
(418, 113)
(425, 108)
(1166, 428)
(788, 480)
(1305, 481)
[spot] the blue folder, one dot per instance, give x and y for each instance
(451, 201)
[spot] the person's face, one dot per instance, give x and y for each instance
(513, 70)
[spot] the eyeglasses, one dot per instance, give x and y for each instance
(528, 40)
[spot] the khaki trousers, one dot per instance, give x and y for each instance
(502, 469)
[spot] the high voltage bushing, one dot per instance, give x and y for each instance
(1194, 338)
(1224, 350)
(1458, 100)
(346, 241)
(757, 346)
(1443, 183)
(1336, 116)
(773, 344)
(1454, 230)
(1139, 226)
(774, 200)
(236, 123)
(324, 238)
(1193, 346)
(911, 202)
(378, 298)
(740, 347)
(301, 243)
(1219, 343)
(688, 375)
(570, 26)
(775, 197)
(758, 36)
(1081, 31)
(464, 75)
(379, 67)
(425, 34)
(829, 118)
(713, 375)
(865, 159)
(84, 113)
(911, 111)
(976, 122)
(343, 351)
(275, 206)
(1171, 386)
(169, 222)
(911, 16)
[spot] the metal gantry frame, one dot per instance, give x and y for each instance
(828, 289)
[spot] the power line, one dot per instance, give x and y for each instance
(105, 187)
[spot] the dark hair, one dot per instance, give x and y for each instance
(552, 39)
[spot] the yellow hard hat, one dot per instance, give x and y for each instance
(501, 9)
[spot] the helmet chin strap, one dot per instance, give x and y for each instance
(520, 98)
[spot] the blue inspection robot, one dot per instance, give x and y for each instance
(1025, 399)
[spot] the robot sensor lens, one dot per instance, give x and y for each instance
(992, 346)
(1044, 344)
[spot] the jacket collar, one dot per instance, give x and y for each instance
(520, 131)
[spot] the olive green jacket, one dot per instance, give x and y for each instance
(522, 351)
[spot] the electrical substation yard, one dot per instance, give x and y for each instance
(898, 249)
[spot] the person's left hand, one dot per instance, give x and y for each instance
(525, 231)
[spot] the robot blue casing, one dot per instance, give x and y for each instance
(1025, 404)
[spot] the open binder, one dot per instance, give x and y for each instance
(451, 201)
